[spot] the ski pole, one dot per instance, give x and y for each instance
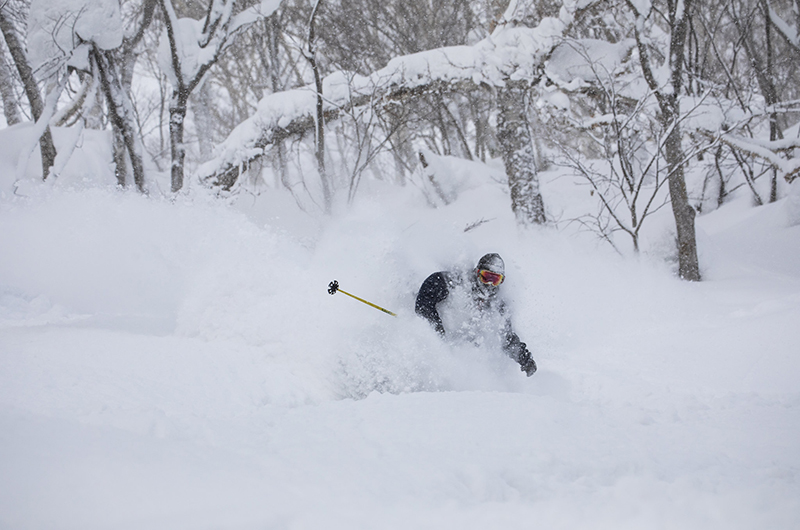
(333, 287)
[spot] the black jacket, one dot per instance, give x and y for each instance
(436, 288)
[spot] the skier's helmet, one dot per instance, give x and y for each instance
(491, 270)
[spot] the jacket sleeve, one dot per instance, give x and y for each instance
(433, 290)
(516, 349)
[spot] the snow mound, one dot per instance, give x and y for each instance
(179, 363)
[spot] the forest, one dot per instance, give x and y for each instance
(683, 102)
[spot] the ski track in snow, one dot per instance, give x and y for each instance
(181, 366)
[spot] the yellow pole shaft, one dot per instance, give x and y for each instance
(368, 303)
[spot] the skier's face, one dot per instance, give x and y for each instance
(488, 277)
(487, 285)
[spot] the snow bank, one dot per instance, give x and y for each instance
(179, 364)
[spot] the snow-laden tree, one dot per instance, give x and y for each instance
(619, 153)
(87, 36)
(752, 64)
(10, 21)
(666, 81)
(69, 38)
(756, 24)
(510, 61)
(113, 67)
(189, 48)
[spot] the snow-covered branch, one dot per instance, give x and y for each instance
(511, 55)
(190, 49)
(193, 46)
(786, 30)
(769, 152)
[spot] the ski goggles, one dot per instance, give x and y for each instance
(490, 278)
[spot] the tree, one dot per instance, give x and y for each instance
(319, 114)
(85, 39)
(121, 113)
(114, 68)
(37, 105)
(622, 158)
(756, 71)
(516, 147)
(194, 46)
(513, 59)
(7, 91)
(668, 94)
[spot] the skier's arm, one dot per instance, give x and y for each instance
(433, 290)
(517, 350)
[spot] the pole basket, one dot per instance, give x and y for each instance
(333, 287)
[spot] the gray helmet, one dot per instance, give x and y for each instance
(492, 262)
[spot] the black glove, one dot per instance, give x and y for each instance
(529, 367)
(526, 362)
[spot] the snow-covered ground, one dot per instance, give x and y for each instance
(180, 365)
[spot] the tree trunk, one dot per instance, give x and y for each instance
(765, 75)
(274, 69)
(121, 63)
(177, 118)
(669, 104)
(688, 264)
(10, 103)
(120, 110)
(774, 129)
(120, 158)
(202, 103)
(516, 148)
(320, 115)
(48, 149)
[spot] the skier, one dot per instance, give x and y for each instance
(472, 308)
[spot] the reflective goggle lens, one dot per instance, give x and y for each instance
(490, 278)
